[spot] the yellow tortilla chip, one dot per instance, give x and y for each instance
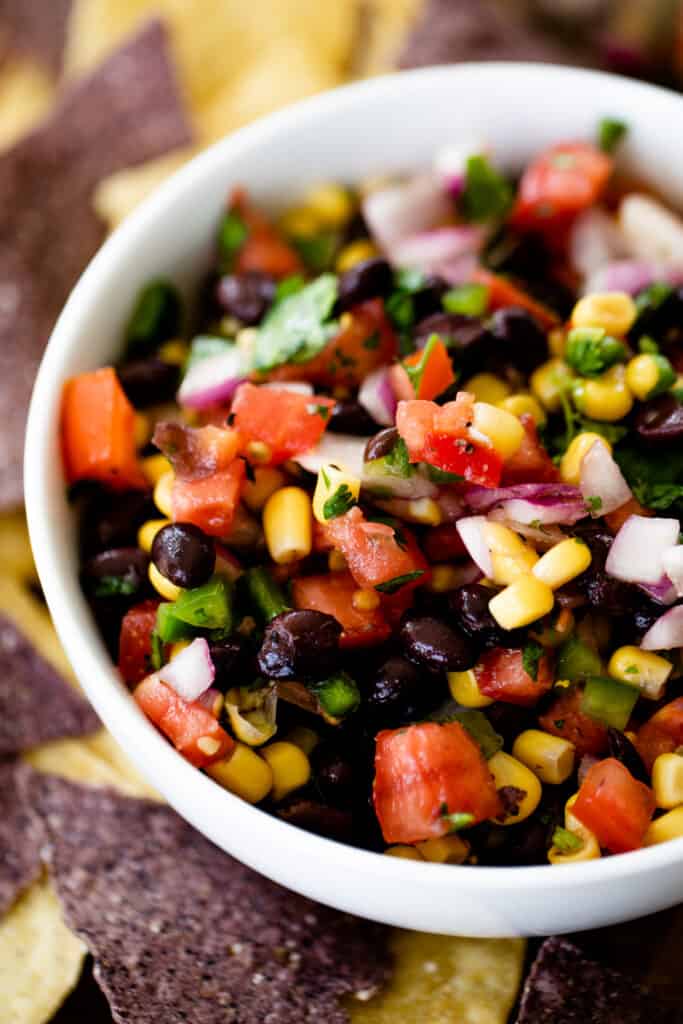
(387, 25)
(440, 980)
(116, 196)
(26, 93)
(15, 549)
(40, 959)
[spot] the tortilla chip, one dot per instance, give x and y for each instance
(16, 557)
(387, 23)
(20, 836)
(208, 937)
(26, 94)
(565, 987)
(37, 27)
(127, 111)
(118, 195)
(443, 979)
(40, 959)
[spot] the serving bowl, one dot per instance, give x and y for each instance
(386, 125)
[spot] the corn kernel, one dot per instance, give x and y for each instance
(142, 429)
(667, 780)
(287, 525)
(557, 342)
(615, 312)
(162, 493)
(290, 767)
(508, 771)
(304, 738)
(365, 600)
(245, 773)
(404, 852)
(174, 352)
(669, 826)
(154, 467)
(563, 562)
(332, 204)
(446, 850)
(464, 690)
(549, 381)
(300, 222)
(168, 590)
(549, 757)
(522, 602)
(570, 465)
(259, 452)
(336, 561)
(606, 398)
(486, 387)
(503, 429)
(266, 481)
(521, 405)
(444, 578)
(589, 850)
(178, 647)
(649, 374)
(335, 491)
(510, 556)
(148, 532)
(648, 671)
(355, 252)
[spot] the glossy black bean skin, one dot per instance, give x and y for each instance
(319, 818)
(368, 279)
(184, 554)
(469, 341)
(112, 520)
(660, 421)
(299, 644)
(620, 746)
(351, 418)
(431, 642)
(662, 321)
(523, 340)
(381, 444)
(607, 595)
(148, 381)
(333, 775)
(228, 657)
(427, 300)
(393, 695)
(470, 605)
(126, 564)
(246, 296)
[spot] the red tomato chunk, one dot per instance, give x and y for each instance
(286, 422)
(210, 503)
(662, 734)
(566, 719)
(135, 641)
(373, 552)
(192, 730)
(614, 806)
(501, 675)
(333, 595)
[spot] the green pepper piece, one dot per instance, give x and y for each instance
(155, 318)
(577, 661)
(467, 299)
(338, 695)
(206, 607)
(170, 628)
(608, 701)
(265, 594)
(480, 729)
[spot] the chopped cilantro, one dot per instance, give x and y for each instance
(297, 327)
(487, 194)
(400, 309)
(410, 280)
(590, 351)
(338, 503)
(115, 586)
(326, 479)
(656, 478)
(442, 476)
(611, 132)
(531, 656)
(416, 372)
(318, 410)
(632, 670)
(289, 286)
(594, 502)
(232, 234)
(467, 299)
(559, 723)
(456, 820)
(372, 342)
(398, 460)
(391, 586)
(566, 841)
(399, 535)
(474, 722)
(157, 656)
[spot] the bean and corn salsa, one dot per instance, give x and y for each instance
(383, 531)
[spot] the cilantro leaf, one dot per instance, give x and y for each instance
(232, 234)
(391, 586)
(531, 656)
(339, 502)
(656, 478)
(115, 586)
(487, 194)
(457, 820)
(297, 327)
(590, 351)
(442, 476)
(157, 656)
(467, 299)
(594, 502)
(611, 132)
(416, 372)
(398, 459)
(566, 841)
(317, 251)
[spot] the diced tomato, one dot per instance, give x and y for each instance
(437, 373)
(531, 462)
(192, 730)
(504, 292)
(615, 520)
(662, 734)
(287, 422)
(443, 543)
(501, 675)
(196, 452)
(374, 553)
(425, 772)
(264, 249)
(565, 718)
(477, 464)
(559, 184)
(135, 641)
(98, 432)
(614, 806)
(333, 594)
(210, 502)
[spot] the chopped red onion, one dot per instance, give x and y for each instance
(601, 478)
(652, 230)
(343, 450)
(439, 250)
(631, 276)
(663, 591)
(672, 561)
(398, 211)
(638, 548)
(213, 380)
(377, 397)
(594, 241)
(191, 672)
(666, 633)
(471, 530)
(545, 504)
(543, 537)
(450, 164)
(298, 387)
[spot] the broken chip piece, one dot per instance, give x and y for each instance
(20, 835)
(208, 935)
(36, 28)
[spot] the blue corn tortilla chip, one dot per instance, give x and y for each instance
(182, 932)
(36, 704)
(36, 28)
(566, 987)
(20, 835)
(125, 112)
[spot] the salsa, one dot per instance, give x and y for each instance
(384, 533)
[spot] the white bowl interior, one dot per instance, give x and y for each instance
(390, 124)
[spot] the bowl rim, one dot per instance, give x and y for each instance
(156, 759)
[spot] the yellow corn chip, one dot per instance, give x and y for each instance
(15, 549)
(441, 980)
(26, 93)
(116, 196)
(40, 959)
(387, 25)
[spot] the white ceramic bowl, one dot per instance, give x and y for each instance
(388, 124)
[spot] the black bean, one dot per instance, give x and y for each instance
(524, 341)
(111, 520)
(394, 694)
(148, 381)
(661, 319)
(427, 300)
(246, 296)
(351, 418)
(431, 642)
(508, 720)
(381, 444)
(620, 746)
(119, 572)
(468, 340)
(184, 554)
(470, 604)
(228, 657)
(299, 643)
(333, 775)
(660, 421)
(319, 818)
(607, 595)
(368, 279)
